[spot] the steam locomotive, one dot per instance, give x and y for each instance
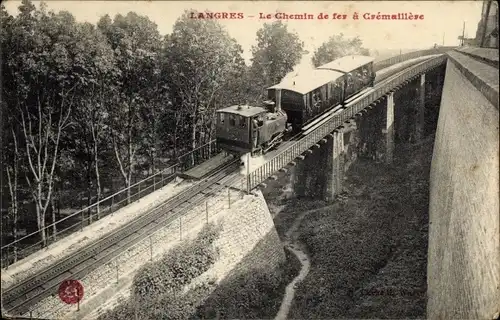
(293, 103)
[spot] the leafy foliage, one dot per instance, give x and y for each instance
(202, 64)
(95, 108)
(276, 53)
(177, 268)
(336, 47)
(167, 306)
(158, 286)
(259, 293)
(362, 266)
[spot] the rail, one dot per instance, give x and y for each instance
(150, 248)
(31, 242)
(286, 156)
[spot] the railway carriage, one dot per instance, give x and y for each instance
(293, 103)
(305, 96)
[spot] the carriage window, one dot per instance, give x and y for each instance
(316, 99)
(221, 118)
(350, 80)
(232, 120)
(338, 90)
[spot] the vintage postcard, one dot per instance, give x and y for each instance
(249, 160)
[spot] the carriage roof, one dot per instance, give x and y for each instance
(307, 81)
(347, 63)
(243, 110)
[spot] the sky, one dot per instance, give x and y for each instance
(442, 20)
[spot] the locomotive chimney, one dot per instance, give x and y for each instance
(278, 100)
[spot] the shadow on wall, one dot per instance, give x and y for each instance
(254, 289)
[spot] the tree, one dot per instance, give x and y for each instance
(40, 93)
(11, 152)
(276, 53)
(97, 74)
(11, 156)
(337, 46)
(136, 43)
(200, 61)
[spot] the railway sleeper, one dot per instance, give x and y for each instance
(196, 199)
(56, 281)
(139, 234)
(223, 181)
(105, 252)
(176, 210)
(84, 265)
(205, 192)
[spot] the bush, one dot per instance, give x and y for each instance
(179, 266)
(157, 287)
(254, 295)
(173, 306)
(169, 306)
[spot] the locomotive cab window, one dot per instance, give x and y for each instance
(243, 122)
(232, 120)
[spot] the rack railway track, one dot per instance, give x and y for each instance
(21, 297)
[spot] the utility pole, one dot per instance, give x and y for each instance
(463, 35)
(443, 39)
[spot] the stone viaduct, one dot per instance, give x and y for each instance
(461, 97)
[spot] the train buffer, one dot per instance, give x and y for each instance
(207, 167)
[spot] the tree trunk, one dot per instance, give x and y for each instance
(193, 138)
(42, 171)
(210, 148)
(89, 190)
(40, 214)
(54, 228)
(98, 182)
(176, 129)
(13, 213)
(153, 146)
(14, 233)
(129, 182)
(152, 159)
(130, 157)
(12, 182)
(125, 175)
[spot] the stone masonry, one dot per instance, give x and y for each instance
(246, 226)
(463, 272)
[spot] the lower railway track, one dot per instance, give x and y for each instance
(21, 297)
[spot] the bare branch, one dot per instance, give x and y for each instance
(118, 157)
(30, 161)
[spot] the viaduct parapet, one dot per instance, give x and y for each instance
(464, 251)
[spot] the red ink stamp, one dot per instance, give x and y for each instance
(71, 291)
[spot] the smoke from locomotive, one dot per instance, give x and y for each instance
(250, 164)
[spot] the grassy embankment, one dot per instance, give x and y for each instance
(369, 250)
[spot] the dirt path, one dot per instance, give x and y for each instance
(297, 248)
